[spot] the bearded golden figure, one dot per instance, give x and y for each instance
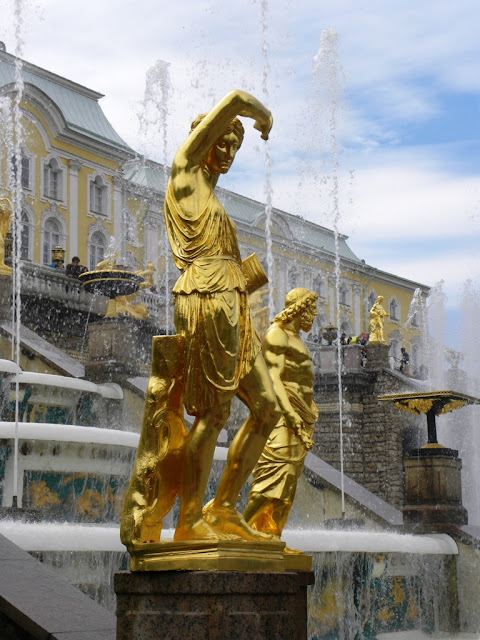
(290, 365)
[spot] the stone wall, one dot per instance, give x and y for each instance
(375, 434)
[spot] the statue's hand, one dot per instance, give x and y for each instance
(264, 126)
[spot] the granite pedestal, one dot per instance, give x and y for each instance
(212, 605)
(433, 487)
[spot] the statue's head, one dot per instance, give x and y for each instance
(222, 153)
(299, 303)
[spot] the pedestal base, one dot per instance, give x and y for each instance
(212, 605)
(215, 555)
(433, 488)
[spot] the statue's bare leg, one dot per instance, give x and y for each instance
(256, 504)
(198, 456)
(256, 391)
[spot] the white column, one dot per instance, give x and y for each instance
(74, 168)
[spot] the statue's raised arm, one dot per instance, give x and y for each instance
(208, 128)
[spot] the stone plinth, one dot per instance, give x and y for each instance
(212, 605)
(352, 356)
(377, 355)
(434, 488)
(118, 346)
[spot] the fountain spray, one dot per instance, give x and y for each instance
(268, 165)
(154, 120)
(17, 213)
(327, 69)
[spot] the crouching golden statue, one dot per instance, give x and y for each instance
(214, 356)
(290, 365)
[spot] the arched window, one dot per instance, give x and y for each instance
(52, 235)
(394, 309)
(292, 279)
(97, 247)
(319, 286)
(25, 237)
(372, 298)
(52, 180)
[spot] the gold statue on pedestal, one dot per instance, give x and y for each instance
(375, 325)
(290, 365)
(5, 217)
(220, 357)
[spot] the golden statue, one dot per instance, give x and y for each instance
(5, 216)
(109, 264)
(215, 354)
(290, 365)
(375, 325)
(126, 305)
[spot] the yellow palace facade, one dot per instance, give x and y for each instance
(85, 189)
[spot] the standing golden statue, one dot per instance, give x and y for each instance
(215, 341)
(290, 365)
(375, 326)
(5, 217)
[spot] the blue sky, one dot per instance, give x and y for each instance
(408, 113)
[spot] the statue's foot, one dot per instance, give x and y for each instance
(229, 521)
(293, 552)
(198, 531)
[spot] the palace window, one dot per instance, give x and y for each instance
(292, 278)
(319, 286)
(372, 298)
(97, 249)
(98, 196)
(394, 310)
(25, 163)
(343, 295)
(25, 236)
(52, 180)
(52, 236)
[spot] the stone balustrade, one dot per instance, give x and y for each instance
(44, 282)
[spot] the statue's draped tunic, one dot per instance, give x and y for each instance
(211, 303)
(281, 463)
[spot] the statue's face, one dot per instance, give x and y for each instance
(222, 154)
(308, 317)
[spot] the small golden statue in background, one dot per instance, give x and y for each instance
(375, 326)
(214, 356)
(126, 305)
(5, 217)
(290, 365)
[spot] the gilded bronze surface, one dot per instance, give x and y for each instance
(290, 365)
(5, 217)
(219, 354)
(375, 325)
